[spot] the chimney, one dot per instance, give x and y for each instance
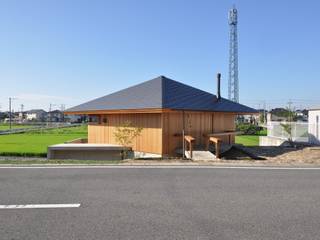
(218, 86)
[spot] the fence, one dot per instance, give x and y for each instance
(300, 131)
(38, 127)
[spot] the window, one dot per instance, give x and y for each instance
(104, 119)
(94, 119)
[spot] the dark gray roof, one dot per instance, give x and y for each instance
(162, 92)
(36, 111)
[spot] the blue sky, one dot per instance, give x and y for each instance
(68, 52)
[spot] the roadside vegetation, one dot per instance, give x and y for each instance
(35, 143)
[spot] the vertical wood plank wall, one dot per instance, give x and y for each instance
(149, 141)
(159, 129)
(196, 124)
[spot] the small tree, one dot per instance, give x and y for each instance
(125, 134)
(287, 127)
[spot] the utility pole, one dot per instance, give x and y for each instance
(10, 112)
(49, 117)
(290, 110)
(21, 112)
(264, 112)
(62, 108)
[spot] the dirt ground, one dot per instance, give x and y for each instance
(301, 154)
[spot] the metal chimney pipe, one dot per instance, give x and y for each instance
(218, 86)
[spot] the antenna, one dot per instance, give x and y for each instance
(233, 83)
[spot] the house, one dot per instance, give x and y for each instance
(164, 108)
(55, 116)
(3, 115)
(37, 115)
(301, 115)
(277, 115)
(314, 126)
(75, 118)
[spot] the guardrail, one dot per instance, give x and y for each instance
(30, 129)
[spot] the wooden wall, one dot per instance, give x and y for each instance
(149, 141)
(161, 132)
(195, 124)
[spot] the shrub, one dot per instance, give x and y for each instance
(249, 129)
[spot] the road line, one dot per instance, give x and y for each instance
(163, 166)
(35, 206)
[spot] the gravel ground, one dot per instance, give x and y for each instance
(289, 155)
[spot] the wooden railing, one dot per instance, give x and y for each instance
(217, 142)
(189, 140)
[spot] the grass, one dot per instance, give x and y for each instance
(250, 140)
(35, 143)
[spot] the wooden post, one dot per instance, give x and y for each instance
(189, 139)
(218, 149)
(183, 144)
(217, 142)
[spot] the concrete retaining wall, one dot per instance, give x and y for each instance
(86, 151)
(270, 141)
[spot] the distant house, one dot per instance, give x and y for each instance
(37, 115)
(55, 116)
(314, 125)
(277, 115)
(302, 115)
(164, 109)
(3, 115)
(275, 118)
(75, 118)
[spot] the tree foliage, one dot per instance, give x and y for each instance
(287, 127)
(125, 133)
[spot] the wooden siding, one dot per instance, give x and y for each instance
(162, 132)
(195, 124)
(149, 141)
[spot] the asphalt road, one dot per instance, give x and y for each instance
(161, 204)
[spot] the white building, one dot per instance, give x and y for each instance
(36, 115)
(314, 126)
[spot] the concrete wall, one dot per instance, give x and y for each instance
(314, 126)
(270, 141)
(85, 154)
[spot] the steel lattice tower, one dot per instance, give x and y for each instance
(233, 83)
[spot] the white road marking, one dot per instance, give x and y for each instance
(33, 206)
(163, 166)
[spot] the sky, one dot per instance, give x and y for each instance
(71, 51)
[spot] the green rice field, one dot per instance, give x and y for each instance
(35, 143)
